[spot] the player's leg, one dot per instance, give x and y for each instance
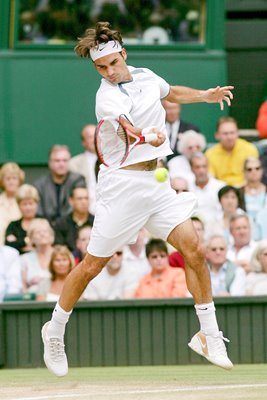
(53, 331)
(209, 342)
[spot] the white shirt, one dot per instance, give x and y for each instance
(179, 167)
(91, 183)
(207, 198)
(218, 282)
(244, 253)
(10, 272)
(172, 130)
(137, 266)
(110, 287)
(256, 284)
(139, 99)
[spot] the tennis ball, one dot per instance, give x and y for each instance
(161, 174)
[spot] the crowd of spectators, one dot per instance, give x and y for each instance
(45, 226)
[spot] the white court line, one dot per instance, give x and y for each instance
(146, 391)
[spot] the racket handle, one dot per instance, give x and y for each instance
(149, 137)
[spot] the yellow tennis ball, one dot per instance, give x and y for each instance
(161, 174)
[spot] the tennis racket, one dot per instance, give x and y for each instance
(115, 139)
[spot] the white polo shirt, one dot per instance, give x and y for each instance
(139, 99)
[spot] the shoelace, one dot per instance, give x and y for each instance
(217, 346)
(56, 348)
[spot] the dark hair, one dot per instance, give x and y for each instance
(94, 36)
(156, 245)
(226, 189)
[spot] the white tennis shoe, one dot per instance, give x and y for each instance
(212, 348)
(54, 354)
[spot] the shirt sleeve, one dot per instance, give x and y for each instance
(163, 85)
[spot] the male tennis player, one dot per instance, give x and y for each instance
(129, 198)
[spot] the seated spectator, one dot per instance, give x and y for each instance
(55, 188)
(163, 281)
(175, 258)
(240, 251)
(35, 263)
(114, 281)
(66, 228)
(60, 265)
(11, 177)
(227, 278)
(229, 198)
(134, 256)
(253, 193)
(189, 143)
(175, 126)
(16, 233)
(226, 158)
(261, 122)
(10, 272)
(86, 163)
(205, 187)
(84, 233)
(256, 282)
(179, 184)
(263, 158)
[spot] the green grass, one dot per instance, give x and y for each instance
(139, 383)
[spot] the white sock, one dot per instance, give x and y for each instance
(60, 317)
(207, 318)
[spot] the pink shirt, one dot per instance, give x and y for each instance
(171, 283)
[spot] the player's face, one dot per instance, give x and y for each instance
(113, 67)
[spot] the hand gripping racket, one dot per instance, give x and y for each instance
(115, 139)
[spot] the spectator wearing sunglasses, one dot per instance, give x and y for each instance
(163, 281)
(227, 278)
(253, 193)
(113, 283)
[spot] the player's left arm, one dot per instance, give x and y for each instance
(186, 95)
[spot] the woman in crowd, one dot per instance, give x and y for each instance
(229, 199)
(256, 282)
(253, 193)
(11, 177)
(61, 263)
(35, 263)
(16, 233)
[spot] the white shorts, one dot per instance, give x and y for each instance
(129, 200)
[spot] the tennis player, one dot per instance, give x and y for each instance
(129, 197)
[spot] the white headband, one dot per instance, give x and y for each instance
(103, 49)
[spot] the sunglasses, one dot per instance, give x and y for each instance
(217, 248)
(253, 169)
(154, 256)
(118, 253)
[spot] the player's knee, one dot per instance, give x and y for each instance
(91, 267)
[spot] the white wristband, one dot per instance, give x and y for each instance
(147, 130)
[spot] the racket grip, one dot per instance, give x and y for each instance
(149, 137)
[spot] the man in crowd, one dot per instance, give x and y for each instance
(54, 188)
(226, 158)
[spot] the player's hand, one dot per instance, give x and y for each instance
(219, 95)
(160, 138)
